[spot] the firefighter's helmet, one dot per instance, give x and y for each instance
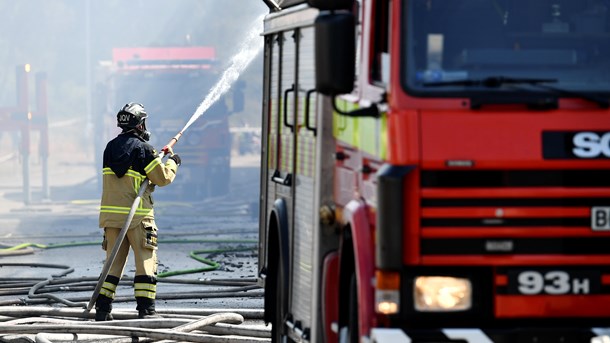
(133, 116)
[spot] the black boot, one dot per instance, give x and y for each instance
(146, 308)
(103, 307)
(145, 289)
(102, 316)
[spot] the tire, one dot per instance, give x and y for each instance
(279, 305)
(352, 325)
(349, 331)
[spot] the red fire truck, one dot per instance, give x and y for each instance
(171, 82)
(436, 171)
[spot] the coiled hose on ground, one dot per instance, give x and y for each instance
(49, 324)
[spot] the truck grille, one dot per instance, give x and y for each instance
(516, 178)
(513, 212)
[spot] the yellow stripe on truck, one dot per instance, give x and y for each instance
(364, 133)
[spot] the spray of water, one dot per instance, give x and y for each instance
(248, 50)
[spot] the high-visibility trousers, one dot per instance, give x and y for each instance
(143, 242)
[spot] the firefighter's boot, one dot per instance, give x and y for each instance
(103, 303)
(103, 307)
(146, 308)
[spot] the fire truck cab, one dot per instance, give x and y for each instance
(436, 171)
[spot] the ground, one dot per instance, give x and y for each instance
(62, 230)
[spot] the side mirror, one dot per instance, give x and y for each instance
(335, 53)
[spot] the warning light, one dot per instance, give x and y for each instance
(29, 115)
(27, 68)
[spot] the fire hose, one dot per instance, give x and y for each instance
(180, 332)
(123, 232)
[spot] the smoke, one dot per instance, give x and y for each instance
(249, 49)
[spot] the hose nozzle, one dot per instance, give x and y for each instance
(171, 143)
(175, 139)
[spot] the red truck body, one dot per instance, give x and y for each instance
(452, 186)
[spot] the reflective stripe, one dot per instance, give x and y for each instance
(125, 210)
(145, 294)
(389, 335)
(146, 290)
(109, 286)
(152, 165)
(137, 177)
(130, 172)
(105, 292)
(145, 286)
(468, 335)
(135, 174)
(366, 134)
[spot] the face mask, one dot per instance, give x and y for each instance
(145, 134)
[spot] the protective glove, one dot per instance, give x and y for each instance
(167, 150)
(176, 159)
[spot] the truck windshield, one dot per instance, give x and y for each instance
(450, 46)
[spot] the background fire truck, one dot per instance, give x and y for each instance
(453, 184)
(171, 82)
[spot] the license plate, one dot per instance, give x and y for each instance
(550, 281)
(600, 218)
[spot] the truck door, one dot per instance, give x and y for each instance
(280, 154)
(305, 204)
(291, 157)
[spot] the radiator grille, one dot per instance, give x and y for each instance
(516, 178)
(513, 212)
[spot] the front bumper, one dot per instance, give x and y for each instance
(476, 335)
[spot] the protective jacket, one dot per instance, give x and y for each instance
(128, 160)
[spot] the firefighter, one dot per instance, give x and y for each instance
(128, 160)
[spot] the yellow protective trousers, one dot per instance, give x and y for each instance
(143, 241)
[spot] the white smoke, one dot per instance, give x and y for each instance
(250, 47)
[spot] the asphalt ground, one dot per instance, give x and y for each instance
(62, 231)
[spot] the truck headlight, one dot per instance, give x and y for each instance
(442, 294)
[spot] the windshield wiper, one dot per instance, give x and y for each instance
(601, 102)
(499, 81)
(489, 82)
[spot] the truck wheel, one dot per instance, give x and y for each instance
(349, 332)
(352, 323)
(280, 307)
